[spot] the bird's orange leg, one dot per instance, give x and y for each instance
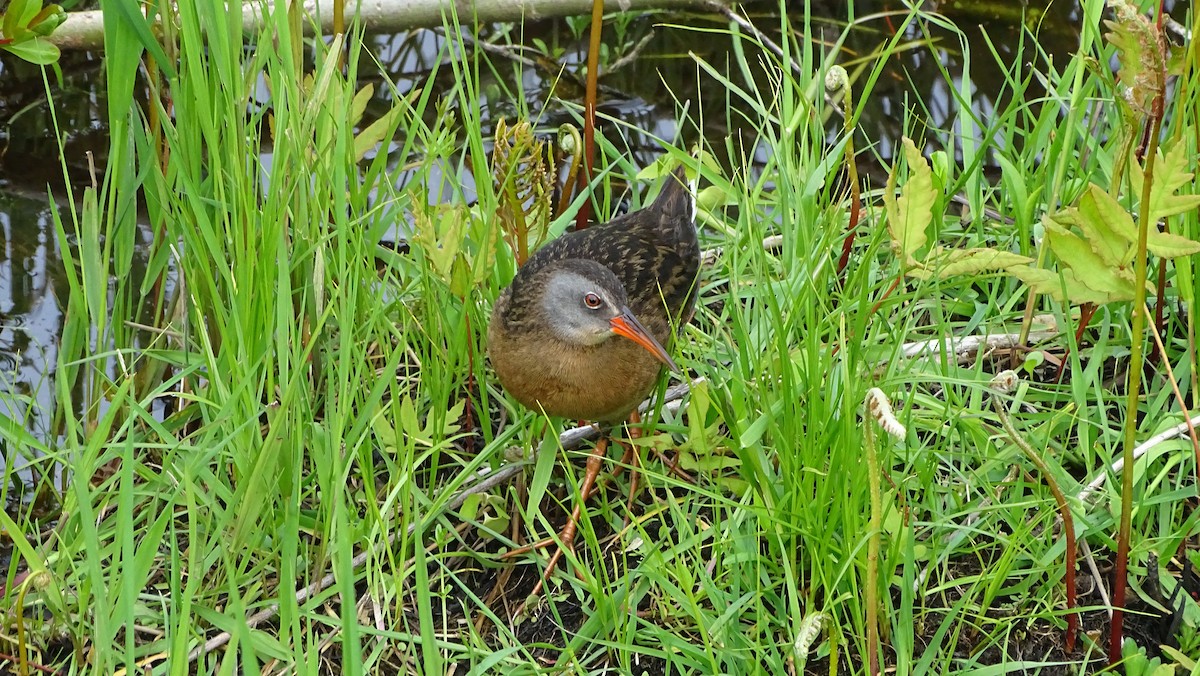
(632, 458)
(566, 537)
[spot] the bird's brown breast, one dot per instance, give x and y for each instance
(602, 382)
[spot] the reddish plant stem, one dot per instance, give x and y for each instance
(1136, 361)
(1064, 511)
(589, 113)
(1086, 312)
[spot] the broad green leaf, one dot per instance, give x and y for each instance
(384, 432)
(358, 105)
(1107, 226)
(1086, 266)
(374, 133)
(1170, 174)
(713, 197)
(1184, 661)
(947, 263)
(37, 51)
(439, 235)
(50, 18)
(1170, 245)
(409, 425)
(1071, 249)
(470, 507)
(14, 16)
(450, 424)
(911, 213)
(1048, 282)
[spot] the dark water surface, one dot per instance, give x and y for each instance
(646, 94)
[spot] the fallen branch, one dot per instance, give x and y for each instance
(970, 344)
(85, 30)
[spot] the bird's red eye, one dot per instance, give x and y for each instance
(592, 301)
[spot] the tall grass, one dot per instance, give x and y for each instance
(307, 404)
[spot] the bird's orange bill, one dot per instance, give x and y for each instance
(628, 326)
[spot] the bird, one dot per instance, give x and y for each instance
(582, 330)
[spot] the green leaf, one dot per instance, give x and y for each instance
(1170, 174)
(1183, 274)
(1050, 283)
(37, 51)
(14, 17)
(358, 105)
(1086, 265)
(910, 214)
(1107, 226)
(714, 196)
(469, 510)
(1170, 245)
(50, 18)
(384, 432)
(1178, 656)
(375, 132)
(128, 13)
(408, 420)
(17, 435)
(946, 263)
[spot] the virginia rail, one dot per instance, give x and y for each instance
(580, 332)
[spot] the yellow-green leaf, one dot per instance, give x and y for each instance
(1170, 174)
(1048, 282)
(358, 105)
(1170, 245)
(374, 133)
(1087, 270)
(911, 213)
(1107, 226)
(946, 263)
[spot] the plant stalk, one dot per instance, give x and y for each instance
(1136, 359)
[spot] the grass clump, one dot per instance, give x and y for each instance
(283, 449)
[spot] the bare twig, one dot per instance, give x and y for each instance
(1119, 464)
(630, 56)
(745, 25)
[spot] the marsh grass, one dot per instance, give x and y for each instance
(305, 396)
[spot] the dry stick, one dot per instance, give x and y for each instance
(85, 30)
(967, 344)
(1064, 511)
